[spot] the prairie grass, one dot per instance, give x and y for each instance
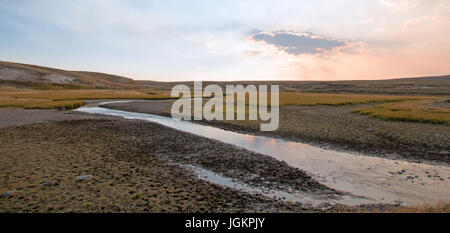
(390, 107)
(311, 99)
(86, 94)
(387, 107)
(70, 99)
(413, 110)
(397, 108)
(40, 103)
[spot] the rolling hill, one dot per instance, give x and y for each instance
(16, 75)
(38, 77)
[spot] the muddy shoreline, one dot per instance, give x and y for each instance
(132, 170)
(336, 128)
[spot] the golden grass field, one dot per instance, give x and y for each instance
(387, 107)
(30, 103)
(420, 110)
(399, 108)
(311, 99)
(70, 99)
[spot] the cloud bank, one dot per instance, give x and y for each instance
(298, 43)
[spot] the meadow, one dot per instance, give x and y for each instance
(424, 109)
(70, 99)
(419, 110)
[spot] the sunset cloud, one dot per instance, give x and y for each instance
(298, 43)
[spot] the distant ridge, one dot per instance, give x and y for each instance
(14, 73)
(18, 75)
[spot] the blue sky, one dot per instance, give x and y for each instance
(231, 40)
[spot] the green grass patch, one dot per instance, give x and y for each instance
(413, 111)
(69, 99)
(312, 99)
(40, 103)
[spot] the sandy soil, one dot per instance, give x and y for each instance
(130, 166)
(337, 128)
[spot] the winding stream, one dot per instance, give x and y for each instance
(379, 180)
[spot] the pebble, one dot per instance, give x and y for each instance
(47, 183)
(7, 194)
(84, 177)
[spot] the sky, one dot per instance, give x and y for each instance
(231, 40)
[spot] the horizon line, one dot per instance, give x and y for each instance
(237, 80)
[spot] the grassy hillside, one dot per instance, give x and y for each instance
(38, 77)
(18, 75)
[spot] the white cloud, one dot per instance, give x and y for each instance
(369, 20)
(400, 5)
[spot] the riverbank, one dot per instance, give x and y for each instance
(76, 162)
(335, 127)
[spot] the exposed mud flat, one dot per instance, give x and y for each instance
(382, 180)
(335, 127)
(139, 166)
(127, 166)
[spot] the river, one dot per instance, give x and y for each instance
(379, 180)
